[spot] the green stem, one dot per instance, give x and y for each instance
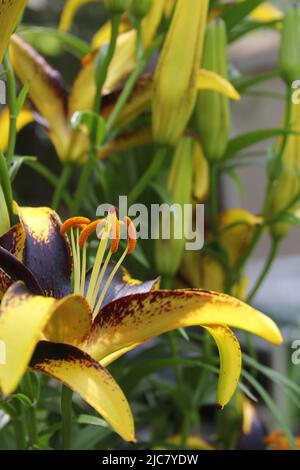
(269, 262)
(213, 198)
(127, 90)
(30, 412)
(13, 108)
(62, 183)
(148, 176)
(6, 185)
(100, 81)
(66, 413)
(101, 78)
(19, 434)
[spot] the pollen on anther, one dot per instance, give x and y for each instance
(89, 229)
(74, 222)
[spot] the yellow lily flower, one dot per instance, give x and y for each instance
(25, 117)
(10, 14)
(66, 335)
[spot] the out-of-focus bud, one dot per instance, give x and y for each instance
(213, 115)
(140, 8)
(289, 63)
(236, 231)
(117, 6)
(4, 215)
(175, 81)
(288, 184)
(201, 173)
(169, 248)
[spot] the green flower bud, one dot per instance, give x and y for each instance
(287, 185)
(213, 116)
(290, 46)
(117, 6)
(140, 8)
(169, 253)
(4, 215)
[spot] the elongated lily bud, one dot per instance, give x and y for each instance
(4, 215)
(213, 116)
(175, 82)
(140, 8)
(288, 185)
(117, 6)
(201, 173)
(10, 14)
(290, 45)
(169, 251)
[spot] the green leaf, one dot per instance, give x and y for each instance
(93, 420)
(17, 164)
(250, 138)
(52, 42)
(89, 436)
(23, 399)
(236, 13)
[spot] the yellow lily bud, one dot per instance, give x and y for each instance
(140, 8)
(169, 252)
(289, 64)
(10, 14)
(288, 185)
(117, 6)
(176, 77)
(213, 115)
(201, 173)
(4, 215)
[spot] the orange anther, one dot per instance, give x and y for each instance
(74, 222)
(89, 229)
(116, 236)
(132, 236)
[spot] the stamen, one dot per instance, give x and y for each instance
(74, 222)
(91, 228)
(132, 236)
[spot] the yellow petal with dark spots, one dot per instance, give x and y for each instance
(10, 14)
(141, 317)
(92, 382)
(23, 320)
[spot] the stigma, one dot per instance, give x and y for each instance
(108, 232)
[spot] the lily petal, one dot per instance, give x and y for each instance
(14, 270)
(47, 253)
(46, 90)
(230, 362)
(138, 318)
(23, 319)
(25, 117)
(92, 382)
(69, 11)
(10, 14)
(140, 137)
(104, 34)
(14, 241)
(208, 80)
(122, 285)
(83, 90)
